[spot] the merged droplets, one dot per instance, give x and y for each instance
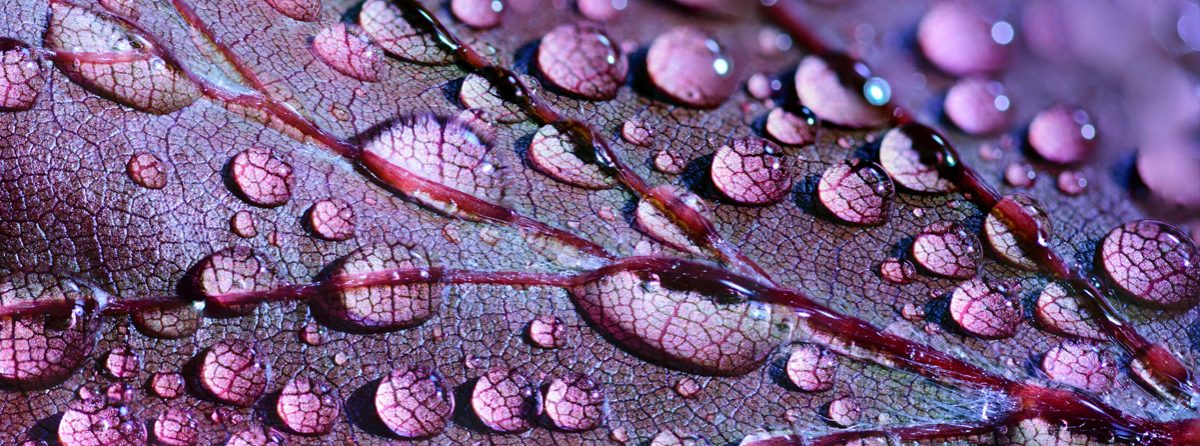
(113, 60)
(1062, 135)
(504, 400)
(812, 368)
(260, 177)
(659, 225)
(147, 170)
(978, 106)
(839, 90)
(582, 60)
(903, 161)
(225, 275)
(346, 49)
(175, 427)
(691, 67)
(1063, 312)
(40, 351)
(575, 402)
(414, 402)
(947, 249)
(956, 39)
(792, 128)
(1152, 262)
(751, 171)
(302, 10)
(1080, 365)
(547, 331)
(94, 420)
(386, 24)
(554, 153)
(332, 219)
(232, 372)
(984, 310)
(856, 191)
(379, 307)
(1004, 241)
(122, 362)
(20, 76)
(308, 406)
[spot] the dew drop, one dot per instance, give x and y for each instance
(1062, 312)
(147, 170)
(229, 272)
(1002, 239)
(1072, 182)
(984, 310)
(812, 368)
(308, 406)
(331, 219)
(97, 421)
(312, 334)
(651, 220)
(38, 352)
(167, 385)
(1168, 170)
(175, 427)
(751, 171)
(601, 10)
(843, 412)
(242, 223)
(691, 67)
(255, 435)
(669, 162)
(386, 24)
(687, 387)
(478, 14)
(582, 60)
(414, 402)
(794, 129)
(947, 249)
(956, 39)
(1080, 365)
(1062, 135)
(978, 106)
(759, 86)
(231, 371)
(122, 362)
(169, 323)
(1040, 431)
(547, 331)
(673, 438)
(575, 403)
(903, 161)
(856, 192)
(834, 87)
(636, 132)
(897, 271)
(478, 93)
(260, 177)
(346, 48)
(21, 77)
(505, 400)
(555, 154)
(1020, 174)
(381, 307)
(302, 10)
(1152, 262)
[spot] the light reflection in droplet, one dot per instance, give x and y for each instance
(1002, 32)
(877, 91)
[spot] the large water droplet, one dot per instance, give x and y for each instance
(947, 249)
(122, 362)
(856, 191)
(978, 106)
(1152, 262)
(812, 368)
(505, 400)
(231, 371)
(555, 154)
(167, 385)
(751, 171)
(170, 323)
(575, 402)
(346, 48)
(478, 14)
(414, 402)
(691, 67)
(547, 331)
(331, 219)
(41, 351)
(1004, 241)
(1064, 313)
(175, 427)
(228, 272)
(903, 160)
(582, 60)
(1080, 365)
(792, 128)
(308, 406)
(98, 421)
(954, 37)
(147, 170)
(382, 307)
(834, 87)
(984, 310)
(1062, 135)
(260, 177)
(20, 76)
(386, 24)
(302, 10)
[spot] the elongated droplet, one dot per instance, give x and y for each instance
(1004, 241)
(229, 272)
(903, 161)
(792, 128)
(655, 223)
(380, 307)
(346, 49)
(170, 323)
(39, 351)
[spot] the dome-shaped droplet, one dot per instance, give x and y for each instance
(308, 406)
(601, 10)
(39, 351)
(169, 323)
(302, 10)
(637, 132)
(715, 337)
(1169, 168)
(478, 93)
(380, 307)
(978, 106)
(812, 368)
(843, 412)
(1004, 241)
(1020, 174)
(947, 249)
(414, 402)
(554, 153)
(751, 171)
(312, 333)
(903, 161)
(97, 421)
(760, 86)
(260, 177)
(175, 427)
(792, 128)
(668, 161)
(255, 435)
(1040, 431)
(167, 385)
(547, 331)
(1080, 365)
(856, 192)
(122, 362)
(242, 223)
(20, 76)
(1062, 135)
(672, 438)
(687, 387)
(984, 310)
(147, 170)
(834, 87)
(691, 67)
(232, 372)
(387, 25)
(897, 271)
(1152, 262)
(331, 219)
(1072, 182)
(575, 402)
(1063, 312)
(346, 48)
(229, 272)
(581, 59)
(955, 38)
(659, 226)
(478, 14)
(505, 400)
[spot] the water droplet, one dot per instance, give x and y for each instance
(346, 48)
(1004, 242)
(1040, 431)
(669, 162)
(255, 435)
(312, 333)
(759, 86)
(659, 226)
(231, 372)
(601, 10)
(42, 351)
(97, 421)
(554, 153)
(547, 331)
(1062, 135)
(414, 402)
(582, 60)
(795, 129)
(167, 385)
(912, 313)
(1064, 313)
(260, 177)
(230, 271)
(843, 412)
(751, 171)
(687, 387)
(947, 249)
(386, 24)
(575, 402)
(382, 307)
(20, 76)
(478, 93)
(147, 170)
(902, 159)
(176, 427)
(1168, 167)
(308, 406)
(505, 400)
(1072, 182)
(833, 86)
(170, 323)
(478, 14)
(636, 132)
(856, 191)
(331, 219)
(978, 106)
(1152, 262)
(691, 67)
(1080, 365)
(897, 271)
(122, 362)
(984, 310)
(959, 41)
(124, 8)
(812, 368)
(1020, 174)
(673, 438)
(242, 223)
(302, 10)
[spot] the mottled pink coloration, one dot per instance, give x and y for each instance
(346, 48)
(242, 223)
(20, 76)
(1072, 182)
(794, 129)
(601, 10)
(38, 352)
(575, 402)
(856, 191)
(1062, 135)
(505, 400)
(478, 14)
(332, 219)
(947, 249)
(844, 411)
(691, 67)
(636, 132)
(260, 177)
(147, 170)
(751, 171)
(380, 307)
(812, 368)
(302, 10)
(903, 163)
(1020, 174)
(650, 219)
(552, 152)
(840, 101)
(897, 271)
(229, 271)
(1152, 262)
(978, 106)
(167, 385)
(175, 427)
(232, 372)
(581, 59)
(983, 310)
(387, 26)
(94, 421)
(308, 406)
(959, 41)
(687, 387)
(1062, 312)
(1080, 365)
(122, 362)
(414, 402)
(1004, 242)
(547, 331)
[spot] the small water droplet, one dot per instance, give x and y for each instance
(897, 271)
(687, 387)
(812, 368)
(751, 171)
(20, 76)
(792, 128)
(176, 427)
(575, 402)
(1004, 241)
(984, 310)
(1072, 182)
(673, 438)
(312, 333)
(1060, 136)
(856, 192)
(147, 170)
(122, 362)
(1020, 174)
(959, 41)
(478, 14)
(255, 435)
(759, 86)
(547, 331)
(260, 177)
(505, 400)
(581, 59)
(554, 153)
(308, 406)
(231, 371)
(414, 402)
(691, 67)
(636, 132)
(332, 219)
(1152, 262)
(947, 249)
(843, 412)
(242, 223)
(1080, 365)
(978, 106)
(167, 385)
(833, 86)
(346, 48)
